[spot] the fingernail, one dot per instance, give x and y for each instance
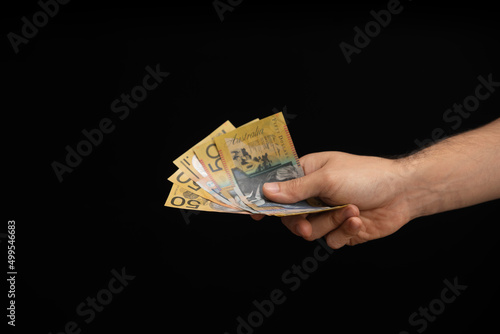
(271, 187)
(297, 230)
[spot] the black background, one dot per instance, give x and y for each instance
(199, 275)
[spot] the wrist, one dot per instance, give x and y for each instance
(419, 194)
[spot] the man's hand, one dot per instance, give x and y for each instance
(372, 186)
(385, 194)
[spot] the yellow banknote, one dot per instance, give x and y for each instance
(181, 198)
(209, 158)
(189, 164)
(216, 181)
(182, 180)
(257, 153)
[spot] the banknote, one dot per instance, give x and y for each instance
(190, 169)
(216, 181)
(182, 180)
(181, 198)
(208, 156)
(188, 162)
(257, 153)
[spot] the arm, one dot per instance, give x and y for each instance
(386, 194)
(459, 171)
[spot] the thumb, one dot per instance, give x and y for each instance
(294, 190)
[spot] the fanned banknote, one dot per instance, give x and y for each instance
(191, 170)
(180, 179)
(216, 181)
(188, 162)
(209, 158)
(181, 198)
(226, 170)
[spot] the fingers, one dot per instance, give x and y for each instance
(257, 217)
(326, 222)
(298, 225)
(341, 236)
(314, 226)
(339, 226)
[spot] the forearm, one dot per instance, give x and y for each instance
(457, 172)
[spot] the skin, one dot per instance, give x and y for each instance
(385, 194)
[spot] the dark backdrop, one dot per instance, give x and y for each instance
(198, 274)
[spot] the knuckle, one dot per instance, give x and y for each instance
(329, 179)
(293, 187)
(353, 227)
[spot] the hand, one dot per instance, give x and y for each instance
(372, 186)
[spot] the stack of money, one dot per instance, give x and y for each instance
(225, 171)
